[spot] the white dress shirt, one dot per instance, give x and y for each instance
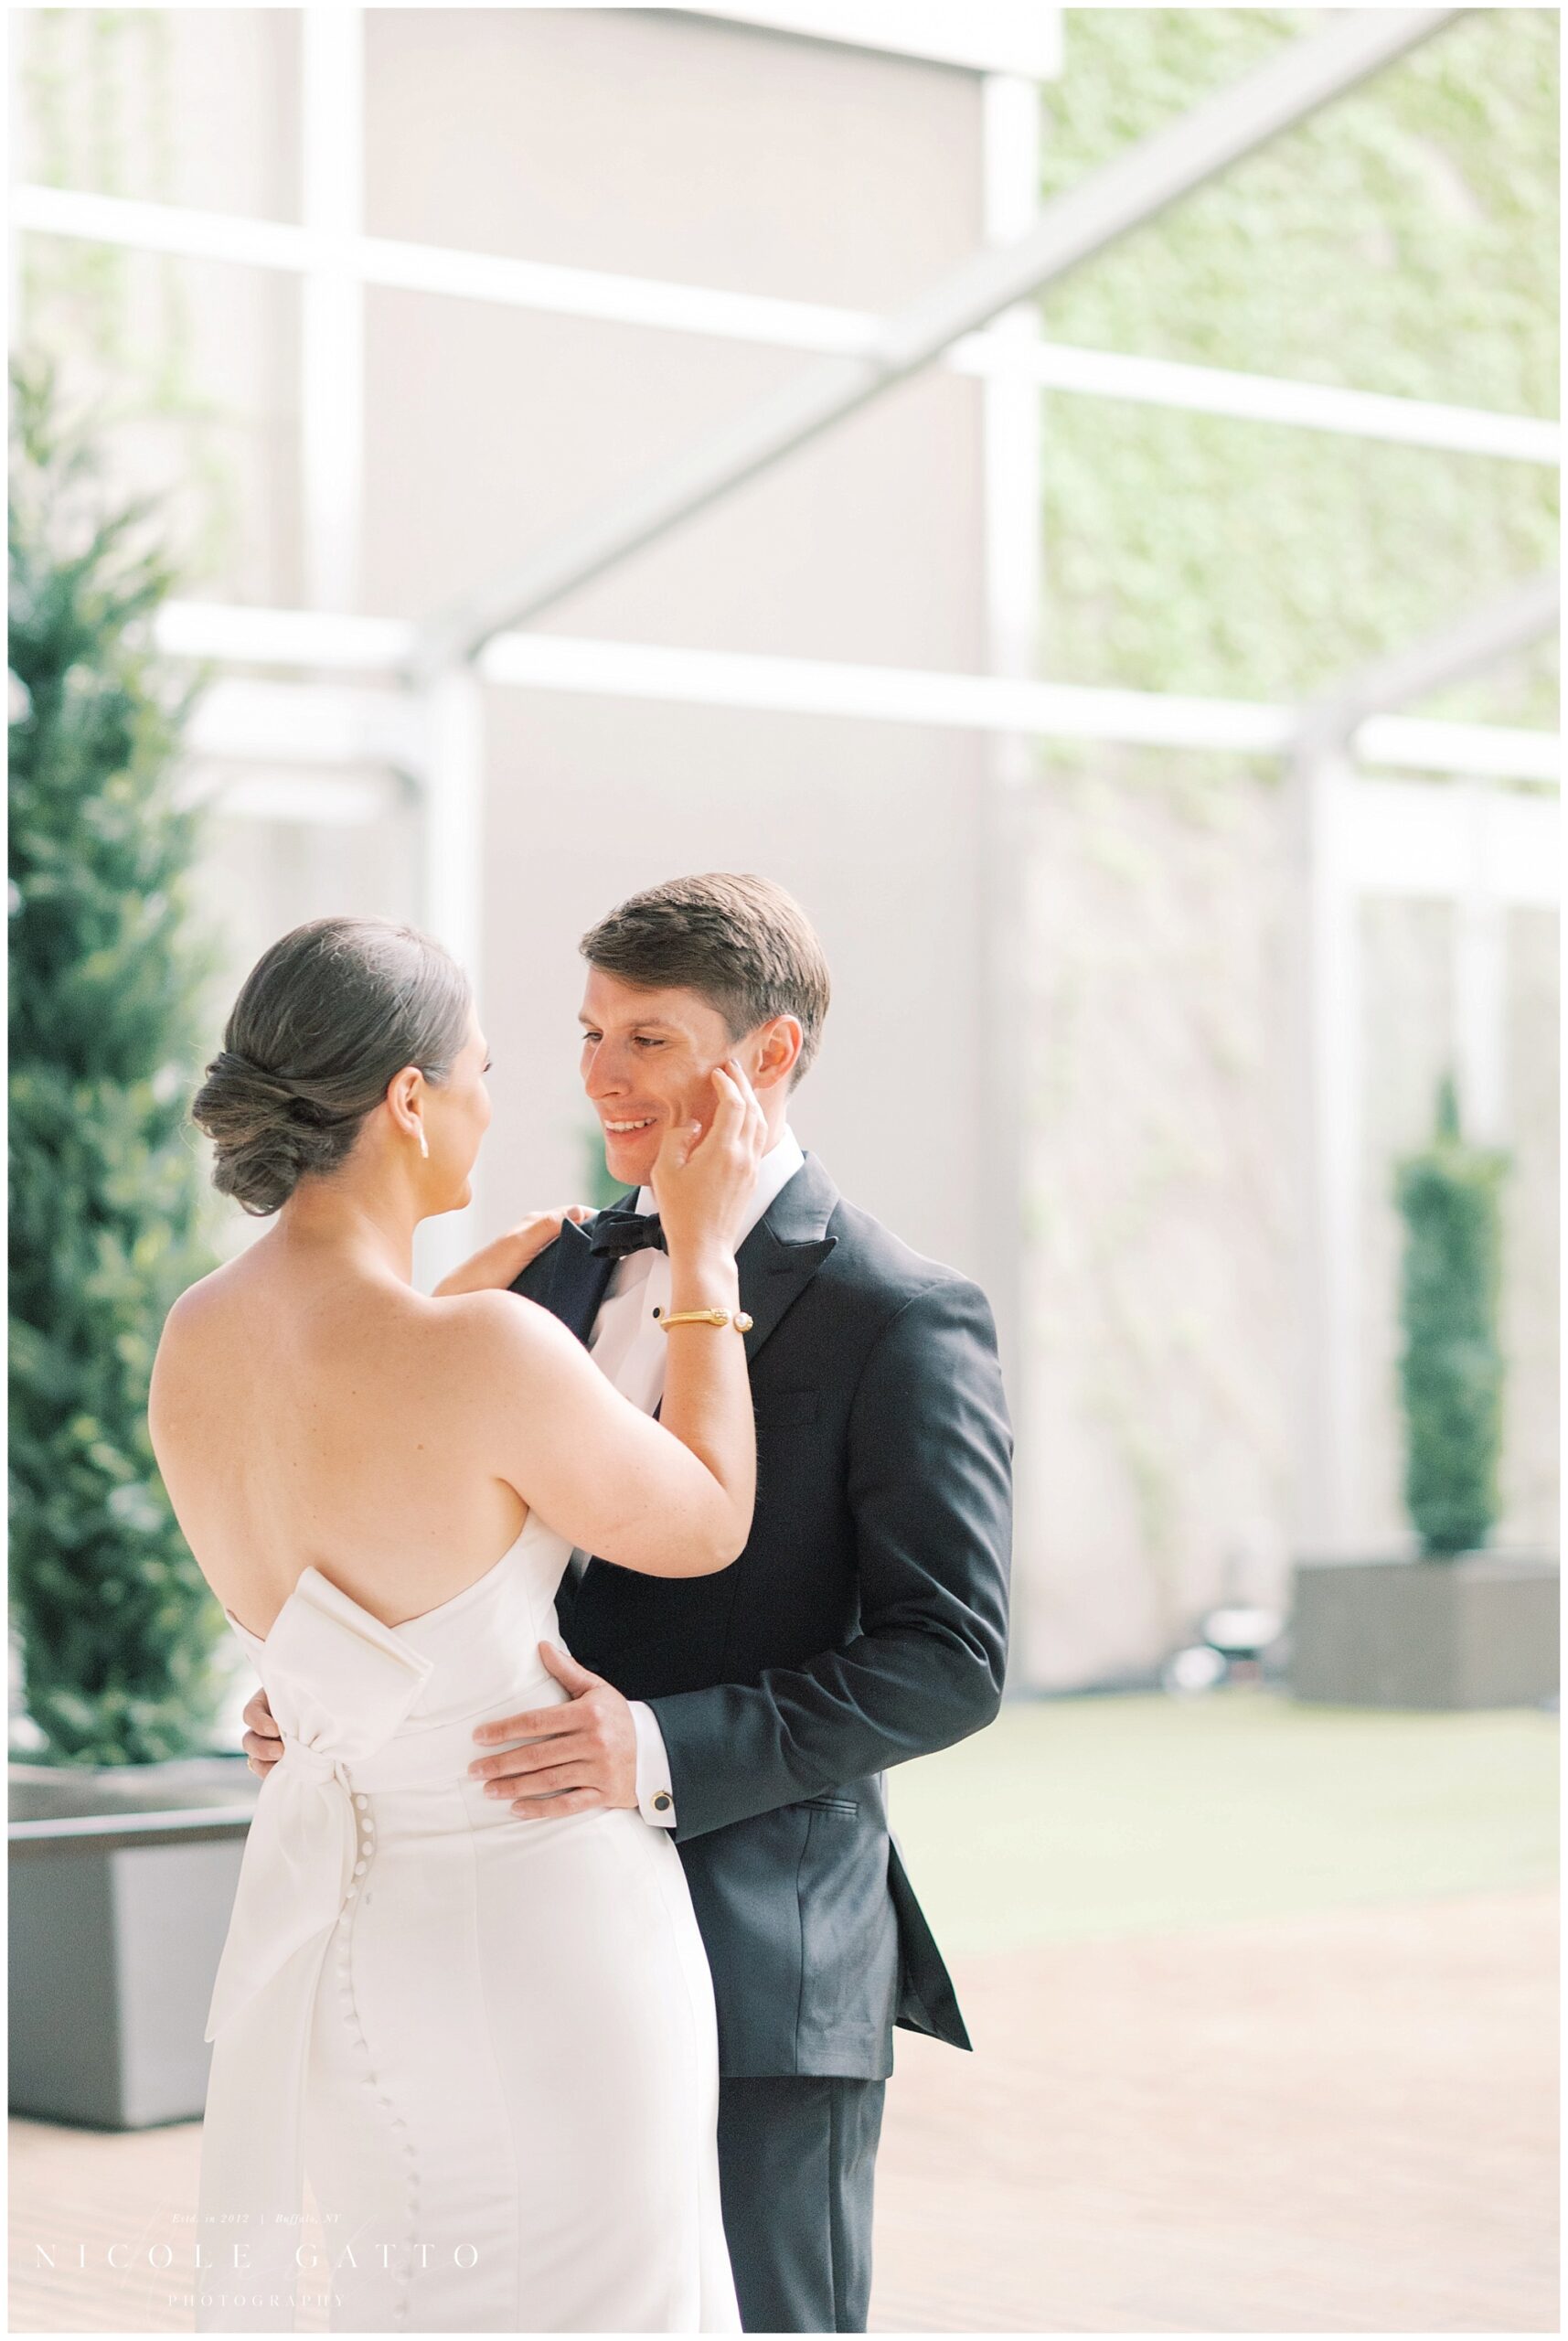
(629, 1346)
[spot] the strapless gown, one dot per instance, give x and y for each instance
(488, 2043)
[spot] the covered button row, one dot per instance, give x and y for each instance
(368, 1827)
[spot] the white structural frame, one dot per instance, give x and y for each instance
(1003, 36)
(1075, 227)
(1012, 568)
(1328, 992)
(332, 329)
(807, 326)
(1365, 835)
(586, 666)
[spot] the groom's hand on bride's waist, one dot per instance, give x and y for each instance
(579, 1756)
(264, 1743)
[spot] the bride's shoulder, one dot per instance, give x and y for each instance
(196, 1319)
(514, 1362)
(505, 1322)
(205, 1330)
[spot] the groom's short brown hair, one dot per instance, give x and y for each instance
(741, 941)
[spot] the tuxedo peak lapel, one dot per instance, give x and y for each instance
(785, 1250)
(578, 1277)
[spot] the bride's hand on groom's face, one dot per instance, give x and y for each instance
(704, 1178)
(579, 1757)
(500, 1262)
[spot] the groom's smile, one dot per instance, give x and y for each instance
(647, 1060)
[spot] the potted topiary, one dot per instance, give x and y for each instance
(126, 1828)
(1455, 1625)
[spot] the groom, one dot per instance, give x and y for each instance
(754, 1713)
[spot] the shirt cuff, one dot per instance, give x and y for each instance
(656, 1801)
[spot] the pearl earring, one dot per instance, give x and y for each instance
(424, 1148)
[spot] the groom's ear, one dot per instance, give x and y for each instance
(778, 1051)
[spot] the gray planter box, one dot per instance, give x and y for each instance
(1479, 1630)
(122, 1884)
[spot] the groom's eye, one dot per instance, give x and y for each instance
(645, 1041)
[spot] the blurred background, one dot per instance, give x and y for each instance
(1072, 495)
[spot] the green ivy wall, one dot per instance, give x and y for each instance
(1404, 241)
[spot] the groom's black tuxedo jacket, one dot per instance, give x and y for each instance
(865, 1623)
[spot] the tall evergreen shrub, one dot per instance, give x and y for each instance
(1451, 1371)
(115, 1623)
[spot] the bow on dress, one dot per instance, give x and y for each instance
(339, 1684)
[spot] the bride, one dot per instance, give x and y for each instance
(488, 2043)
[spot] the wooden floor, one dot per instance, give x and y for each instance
(1341, 2121)
(1336, 2123)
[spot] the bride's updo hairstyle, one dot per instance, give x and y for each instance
(324, 1019)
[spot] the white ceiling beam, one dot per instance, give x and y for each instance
(405, 267)
(991, 703)
(325, 640)
(802, 326)
(1513, 621)
(1480, 751)
(1266, 398)
(1411, 838)
(1416, 838)
(1075, 227)
(987, 36)
(247, 718)
(825, 686)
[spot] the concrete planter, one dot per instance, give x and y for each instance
(122, 1884)
(1479, 1630)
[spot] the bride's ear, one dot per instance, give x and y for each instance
(403, 1097)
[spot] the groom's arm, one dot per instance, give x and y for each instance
(930, 1487)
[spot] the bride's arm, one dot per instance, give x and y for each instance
(667, 1499)
(499, 1263)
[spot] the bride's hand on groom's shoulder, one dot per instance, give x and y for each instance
(502, 1261)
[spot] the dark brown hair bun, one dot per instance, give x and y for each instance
(325, 1018)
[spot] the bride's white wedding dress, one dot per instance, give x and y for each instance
(488, 2043)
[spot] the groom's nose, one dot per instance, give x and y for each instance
(608, 1073)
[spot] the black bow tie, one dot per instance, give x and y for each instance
(621, 1232)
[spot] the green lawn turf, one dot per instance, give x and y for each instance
(1122, 1814)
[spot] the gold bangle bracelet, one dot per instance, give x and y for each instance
(702, 1316)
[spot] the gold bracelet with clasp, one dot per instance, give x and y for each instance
(702, 1316)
